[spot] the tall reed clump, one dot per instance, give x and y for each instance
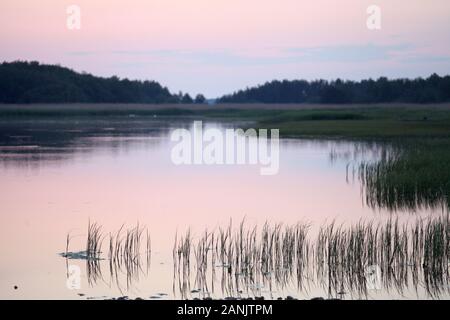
(414, 176)
(94, 241)
(124, 252)
(93, 251)
(182, 262)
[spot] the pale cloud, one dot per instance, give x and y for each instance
(267, 56)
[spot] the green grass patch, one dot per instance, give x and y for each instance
(415, 175)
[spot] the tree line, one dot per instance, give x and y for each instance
(32, 82)
(433, 89)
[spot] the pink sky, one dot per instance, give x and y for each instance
(217, 46)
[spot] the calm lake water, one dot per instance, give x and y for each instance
(56, 175)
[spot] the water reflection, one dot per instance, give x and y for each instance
(44, 142)
(57, 174)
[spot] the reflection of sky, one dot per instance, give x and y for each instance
(219, 46)
(125, 180)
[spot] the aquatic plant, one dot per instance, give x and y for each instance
(124, 253)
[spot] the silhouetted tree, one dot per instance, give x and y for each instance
(29, 82)
(187, 99)
(200, 99)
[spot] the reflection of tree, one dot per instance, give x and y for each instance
(31, 144)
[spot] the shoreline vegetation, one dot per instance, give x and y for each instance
(379, 121)
(371, 108)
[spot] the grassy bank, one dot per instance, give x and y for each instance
(375, 122)
(301, 120)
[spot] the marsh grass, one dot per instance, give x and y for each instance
(339, 258)
(182, 262)
(247, 260)
(252, 260)
(301, 120)
(124, 253)
(415, 176)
